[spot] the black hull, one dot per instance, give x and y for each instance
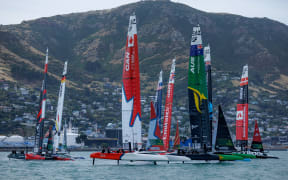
(266, 157)
(16, 156)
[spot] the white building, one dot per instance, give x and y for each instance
(72, 134)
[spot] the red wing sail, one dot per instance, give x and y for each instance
(131, 105)
(242, 112)
(168, 108)
(257, 142)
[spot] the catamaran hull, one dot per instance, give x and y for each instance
(266, 157)
(16, 156)
(129, 156)
(32, 156)
(250, 156)
(230, 157)
(154, 157)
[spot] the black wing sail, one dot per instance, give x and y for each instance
(224, 141)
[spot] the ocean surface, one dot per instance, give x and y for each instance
(107, 169)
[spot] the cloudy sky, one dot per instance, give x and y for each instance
(15, 11)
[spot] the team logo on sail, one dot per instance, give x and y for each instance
(127, 61)
(239, 115)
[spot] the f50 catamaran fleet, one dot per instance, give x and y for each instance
(211, 140)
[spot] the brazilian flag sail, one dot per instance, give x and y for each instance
(197, 94)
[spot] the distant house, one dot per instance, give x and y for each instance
(24, 91)
(5, 108)
(76, 113)
(5, 86)
(18, 119)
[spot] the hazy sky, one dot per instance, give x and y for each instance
(15, 11)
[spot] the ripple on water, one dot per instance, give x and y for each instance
(106, 169)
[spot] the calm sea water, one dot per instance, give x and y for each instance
(106, 169)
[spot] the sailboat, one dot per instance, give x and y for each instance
(58, 146)
(168, 108)
(224, 146)
(39, 130)
(207, 60)
(155, 142)
(38, 153)
(257, 147)
(198, 105)
(242, 113)
(131, 105)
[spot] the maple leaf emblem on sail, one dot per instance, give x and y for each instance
(130, 41)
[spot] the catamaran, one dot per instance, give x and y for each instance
(39, 131)
(242, 113)
(198, 103)
(155, 142)
(58, 146)
(168, 107)
(131, 106)
(224, 146)
(207, 60)
(257, 147)
(49, 154)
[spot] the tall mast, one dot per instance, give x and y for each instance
(58, 120)
(168, 107)
(213, 124)
(39, 133)
(242, 112)
(197, 94)
(65, 137)
(131, 105)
